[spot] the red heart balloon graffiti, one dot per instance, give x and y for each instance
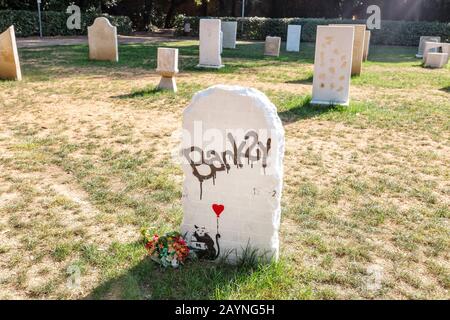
(218, 209)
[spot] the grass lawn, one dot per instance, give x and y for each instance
(85, 162)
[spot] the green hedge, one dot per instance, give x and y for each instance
(402, 33)
(26, 23)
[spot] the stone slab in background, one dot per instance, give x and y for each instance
(102, 38)
(167, 68)
(272, 46)
(229, 29)
(431, 46)
(332, 65)
(294, 34)
(210, 43)
(436, 60)
(358, 46)
(9, 57)
(422, 41)
(366, 45)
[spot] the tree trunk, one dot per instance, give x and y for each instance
(148, 8)
(170, 13)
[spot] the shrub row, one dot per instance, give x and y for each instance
(26, 23)
(403, 33)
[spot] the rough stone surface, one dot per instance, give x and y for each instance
(9, 58)
(332, 65)
(167, 68)
(232, 152)
(294, 34)
(422, 41)
(229, 29)
(366, 45)
(272, 46)
(358, 46)
(210, 43)
(102, 38)
(435, 47)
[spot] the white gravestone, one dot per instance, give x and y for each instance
(187, 28)
(229, 29)
(9, 57)
(102, 38)
(294, 34)
(167, 68)
(436, 60)
(366, 45)
(422, 41)
(210, 44)
(332, 65)
(272, 46)
(435, 47)
(232, 152)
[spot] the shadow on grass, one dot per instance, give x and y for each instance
(195, 280)
(142, 93)
(307, 80)
(445, 89)
(303, 109)
(152, 92)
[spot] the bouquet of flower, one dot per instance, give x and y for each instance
(169, 249)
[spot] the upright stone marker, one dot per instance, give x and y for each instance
(272, 46)
(102, 38)
(366, 45)
(229, 29)
(232, 152)
(424, 39)
(294, 34)
(435, 47)
(221, 42)
(167, 68)
(358, 46)
(436, 60)
(332, 65)
(9, 57)
(210, 44)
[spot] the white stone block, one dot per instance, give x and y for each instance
(366, 45)
(210, 43)
(294, 34)
(435, 47)
(422, 41)
(102, 38)
(167, 68)
(232, 158)
(272, 46)
(9, 57)
(332, 65)
(229, 29)
(436, 59)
